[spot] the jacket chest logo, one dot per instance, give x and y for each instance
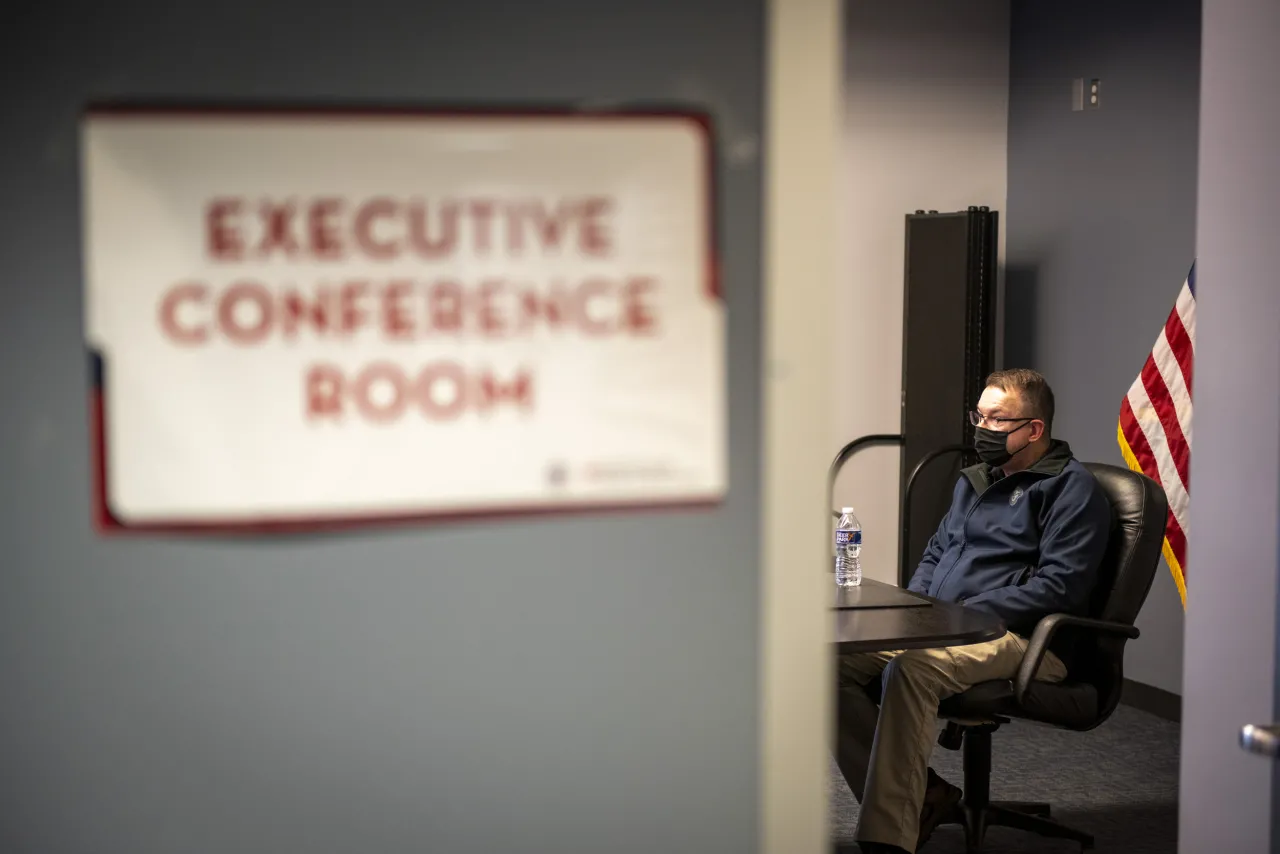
(1013, 499)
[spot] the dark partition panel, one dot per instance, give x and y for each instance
(948, 350)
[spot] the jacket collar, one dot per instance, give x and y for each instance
(1050, 465)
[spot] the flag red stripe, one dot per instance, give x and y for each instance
(1177, 343)
(1163, 402)
(1180, 344)
(1138, 441)
(1146, 459)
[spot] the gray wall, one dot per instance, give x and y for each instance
(574, 685)
(1101, 225)
(926, 99)
(1229, 801)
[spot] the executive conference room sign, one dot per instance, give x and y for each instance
(308, 317)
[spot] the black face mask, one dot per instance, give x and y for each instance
(992, 445)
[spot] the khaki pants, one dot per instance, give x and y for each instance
(884, 754)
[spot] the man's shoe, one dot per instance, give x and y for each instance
(940, 798)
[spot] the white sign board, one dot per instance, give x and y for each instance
(304, 318)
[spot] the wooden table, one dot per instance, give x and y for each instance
(937, 624)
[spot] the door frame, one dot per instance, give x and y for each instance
(803, 107)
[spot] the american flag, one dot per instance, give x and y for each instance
(1155, 423)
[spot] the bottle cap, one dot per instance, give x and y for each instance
(846, 509)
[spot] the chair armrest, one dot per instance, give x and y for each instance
(1043, 634)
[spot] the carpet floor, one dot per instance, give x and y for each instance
(1118, 782)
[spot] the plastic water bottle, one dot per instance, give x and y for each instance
(848, 549)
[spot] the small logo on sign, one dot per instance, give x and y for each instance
(1013, 499)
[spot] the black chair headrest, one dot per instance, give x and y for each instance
(1139, 513)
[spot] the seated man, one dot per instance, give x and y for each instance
(1023, 539)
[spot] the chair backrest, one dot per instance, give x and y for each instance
(1139, 513)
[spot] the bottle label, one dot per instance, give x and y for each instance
(848, 538)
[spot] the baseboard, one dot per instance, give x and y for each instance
(1153, 700)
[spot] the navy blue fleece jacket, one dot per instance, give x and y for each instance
(1020, 546)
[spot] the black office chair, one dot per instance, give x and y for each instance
(1091, 690)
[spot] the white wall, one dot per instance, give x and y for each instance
(927, 96)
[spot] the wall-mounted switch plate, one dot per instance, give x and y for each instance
(1086, 94)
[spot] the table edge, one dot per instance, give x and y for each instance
(966, 639)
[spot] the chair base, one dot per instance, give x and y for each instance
(977, 811)
(1031, 817)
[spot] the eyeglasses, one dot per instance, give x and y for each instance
(977, 419)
